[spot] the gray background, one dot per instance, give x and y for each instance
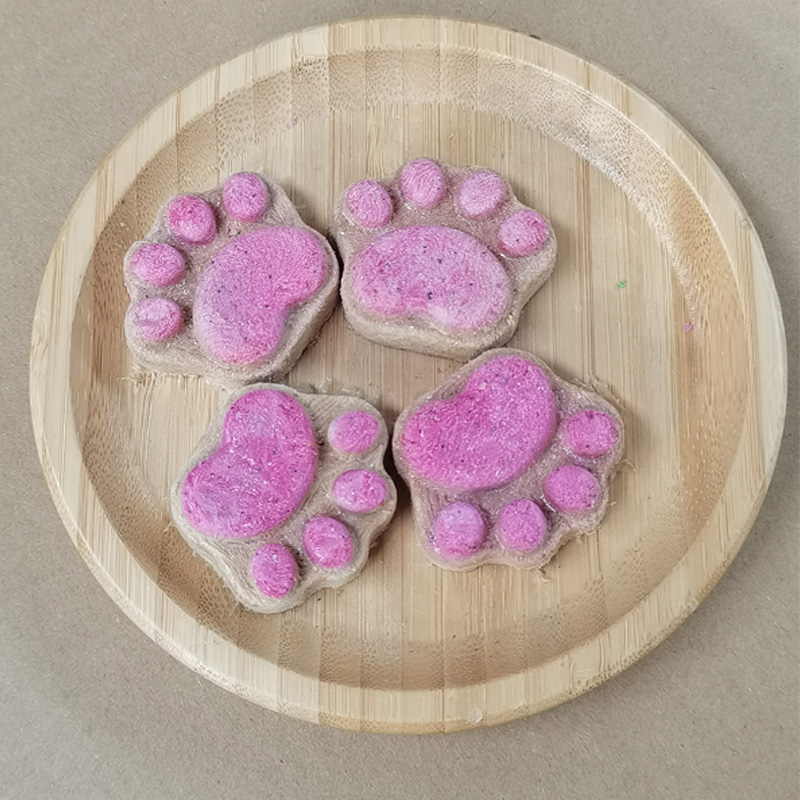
(91, 708)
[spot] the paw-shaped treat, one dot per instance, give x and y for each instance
(506, 462)
(230, 284)
(285, 493)
(439, 260)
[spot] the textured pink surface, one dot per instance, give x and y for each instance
(245, 197)
(521, 526)
(157, 319)
(359, 490)
(327, 542)
(422, 183)
(353, 432)
(489, 433)
(191, 219)
(369, 204)
(459, 531)
(435, 272)
(157, 264)
(522, 233)
(481, 193)
(261, 472)
(591, 433)
(571, 488)
(244, 295)
(274, 570)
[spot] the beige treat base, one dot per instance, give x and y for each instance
(184, 354)
(418, 333)
(428, 498)
(231, 557)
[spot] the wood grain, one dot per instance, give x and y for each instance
(408, 647)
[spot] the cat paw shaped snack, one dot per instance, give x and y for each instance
(506, 462)
(230, 284)
(439, 260)
(285, 493)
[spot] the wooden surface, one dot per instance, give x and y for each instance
(408, 647)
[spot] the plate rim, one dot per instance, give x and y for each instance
(53, 440)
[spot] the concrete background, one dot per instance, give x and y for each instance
(91, 708)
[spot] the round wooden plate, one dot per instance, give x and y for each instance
(661, 298)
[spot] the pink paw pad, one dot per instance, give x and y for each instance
(489, 465)
(244, 295)
(354, 432)
(481, 194)
(441, 273)
(459, 531)
(274, 570)
(157, 319)
(276, 511)
(157, 264)
(521, 526)
(245, 197)
(359, 491)
(591, 433)
(369, 204)
(571, 488)
(425, 266)
(254, 281)
(327, 543)
(260, 473)
(522, 233)
(422, 183)
(490, 433)
(191, 219)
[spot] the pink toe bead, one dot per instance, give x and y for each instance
(245, 197)
(157, 318)
(522, 526)
(481, 194)
(327, 542)
(157, 264)
(353, 432)
(522, 233)
(591, 433)
(369, 204)
(359, 491)
(191, 219)
(571, 489)
(422, 183)
(459, 531)
(274, 570)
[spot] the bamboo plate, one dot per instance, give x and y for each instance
(662, 298)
